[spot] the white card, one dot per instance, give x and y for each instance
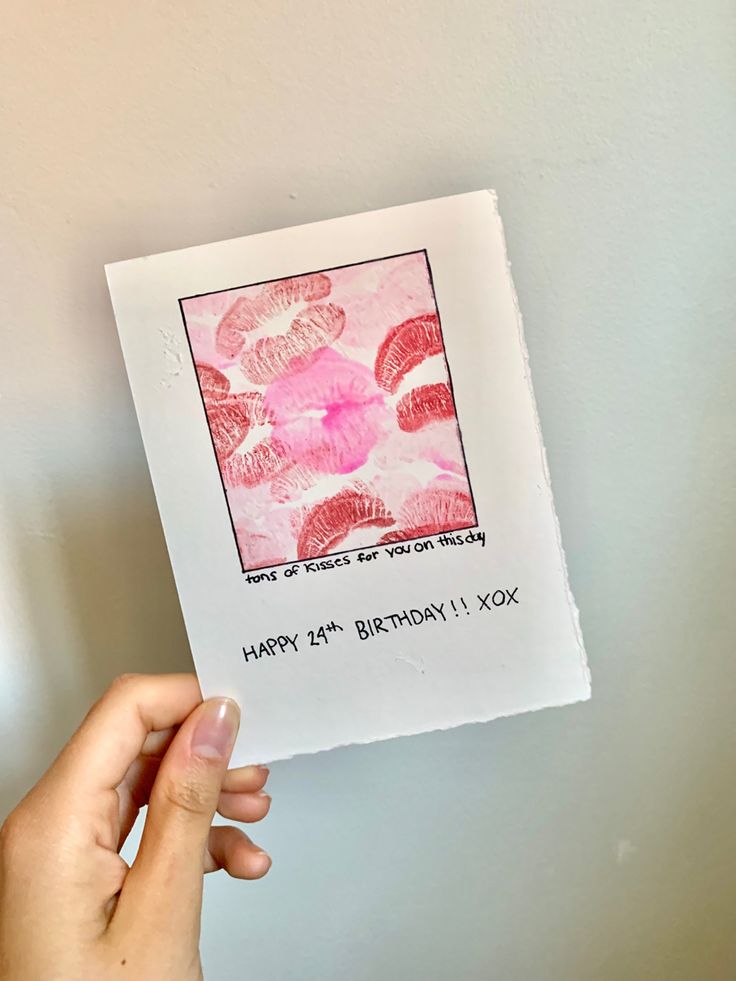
(343, 441)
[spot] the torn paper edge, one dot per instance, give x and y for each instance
(572, 605)
(405, 734)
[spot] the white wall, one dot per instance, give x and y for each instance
(596, 842)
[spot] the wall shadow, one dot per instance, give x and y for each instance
(100, 601)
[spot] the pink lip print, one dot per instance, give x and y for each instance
(396, 290)
(406, 346)
(267, 459)
(290, 483)
(230, 417)
(248, 313)
(331, 415)
(431, 511)
(330, 521)
(325, 420)
(213, 384)
(423, 405)
(320, 442)
(273, 357)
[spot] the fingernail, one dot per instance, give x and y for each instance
(263, 863)
(264, 770)
(216, 729)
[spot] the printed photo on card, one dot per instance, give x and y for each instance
(329, 403)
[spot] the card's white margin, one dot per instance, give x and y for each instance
(585, 691)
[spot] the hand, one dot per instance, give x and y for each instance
(70, 908)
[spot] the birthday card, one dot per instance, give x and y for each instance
(342, 436)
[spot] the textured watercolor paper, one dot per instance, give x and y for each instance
(342, 437)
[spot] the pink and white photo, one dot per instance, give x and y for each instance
(330, 406)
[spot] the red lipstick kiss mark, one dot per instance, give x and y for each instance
(330, 521)
(290, 483)
(432, 511)
(272, 357)
(231, 418)
(263, 462)
(425, 404)
(404, 347)
(258, 548)
(213, 384)
(251, 312)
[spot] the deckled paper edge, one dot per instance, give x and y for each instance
(572, 605)
(405, 734)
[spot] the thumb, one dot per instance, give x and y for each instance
(165, 880)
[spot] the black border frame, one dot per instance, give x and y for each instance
(360, 548)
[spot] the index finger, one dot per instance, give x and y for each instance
(112, 734)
